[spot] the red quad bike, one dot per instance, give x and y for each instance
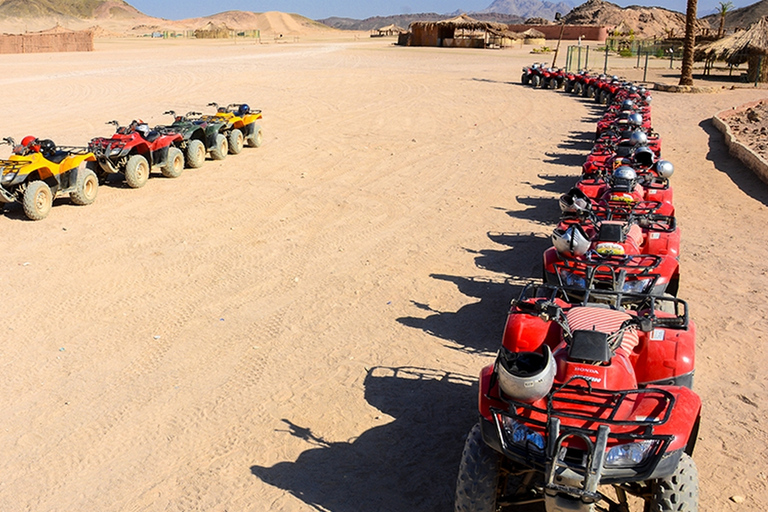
(587, 408)
(528, 75)
(626, 186)
(552, 78)
(134, 150)
(635, 229)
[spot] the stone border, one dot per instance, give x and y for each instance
(684, 88)
(752, 160)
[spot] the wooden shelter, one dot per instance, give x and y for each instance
(461, 31)
(389, 30)
(750, 46)
(213, 31)
(533, 36)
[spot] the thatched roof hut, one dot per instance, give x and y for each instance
(750, 46)
(461, 31)
(213, 31)
(389, 30)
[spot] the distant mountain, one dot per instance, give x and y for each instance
(739, 18)
(530, 8)
(404, 20)
(80, 9)
(642, 21)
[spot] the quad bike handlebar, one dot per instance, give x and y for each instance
(9, 141)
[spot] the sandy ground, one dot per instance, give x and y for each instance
(300, 327)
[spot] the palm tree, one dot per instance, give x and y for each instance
(686, 73)
(724, 8)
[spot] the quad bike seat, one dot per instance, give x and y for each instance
(57, 157)
(151, 136)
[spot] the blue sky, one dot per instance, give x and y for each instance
(360, 9)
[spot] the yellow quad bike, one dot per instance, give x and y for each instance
(38, 171)
(241, 127)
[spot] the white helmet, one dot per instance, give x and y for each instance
(143, 128)
(664, 168)
(643, 156)
(526, 376)
(638, 138)
(575, 201)
(624, 179)
(571, 241)
(635, 119)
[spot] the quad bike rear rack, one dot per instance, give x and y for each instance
(609, 272)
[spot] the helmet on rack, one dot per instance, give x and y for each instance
(627, 105)
(638, 138)
(29, 144)
(47, 147)
(575, 202)
(636, 119)
(664, 168)
(571, 241)
(243, 110)
(143, 129)
(526, 376)
(624, 179)
(643, 156)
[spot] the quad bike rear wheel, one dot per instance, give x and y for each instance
(220, 150)
(37, 200)
(136, 171)
(535, 81)
(578, 88)
(86, 188)
(174, 163)
(236, 141)
(195, 156)
(254, 140)
(524, 79)
(678, 492)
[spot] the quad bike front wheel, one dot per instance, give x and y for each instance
(679, 492)
(236, 141)
(524, 79)
(86, 188)
(195, 156)
(174, 163)
(478, 481)
(136, 171)
(37, 200)
(221, 148)
(254, 140)
(535, 81)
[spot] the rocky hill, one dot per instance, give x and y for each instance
(404, 20)
(77, 9)
(739, 18)
(644, 22)
(529, 8)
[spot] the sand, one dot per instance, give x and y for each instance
(300, 327)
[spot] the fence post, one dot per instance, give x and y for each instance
(638, 57)
(605, 65)
(645, 73)
(586, 59)
(579, 66)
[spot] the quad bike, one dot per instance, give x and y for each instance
(241, 125)
(628, 184)
(528, 75)
(134, 150)
(587, 408)
(575, 83)
(38, 171)
(198, 137)
(552, 78)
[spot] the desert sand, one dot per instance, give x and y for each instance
(300, 327)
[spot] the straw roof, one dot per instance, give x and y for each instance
(532, 33)
(752, 41)
(465, 22)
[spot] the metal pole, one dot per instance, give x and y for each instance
(645, 73)
(567, 58)
(671, 57)
(605, 66)
(638, 57)
(586, 59)
(580, 68)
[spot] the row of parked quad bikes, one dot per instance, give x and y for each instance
(38, 171)
(588, 405)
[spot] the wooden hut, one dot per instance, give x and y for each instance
(533, 37)
(750, 46)
(461, 31)
(388, 31)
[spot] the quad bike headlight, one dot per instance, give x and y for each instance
(522, 435)
(631, 454)
(8, 177)
(573, 280)
(637, 285)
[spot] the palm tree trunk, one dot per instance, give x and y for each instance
(686, 73)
